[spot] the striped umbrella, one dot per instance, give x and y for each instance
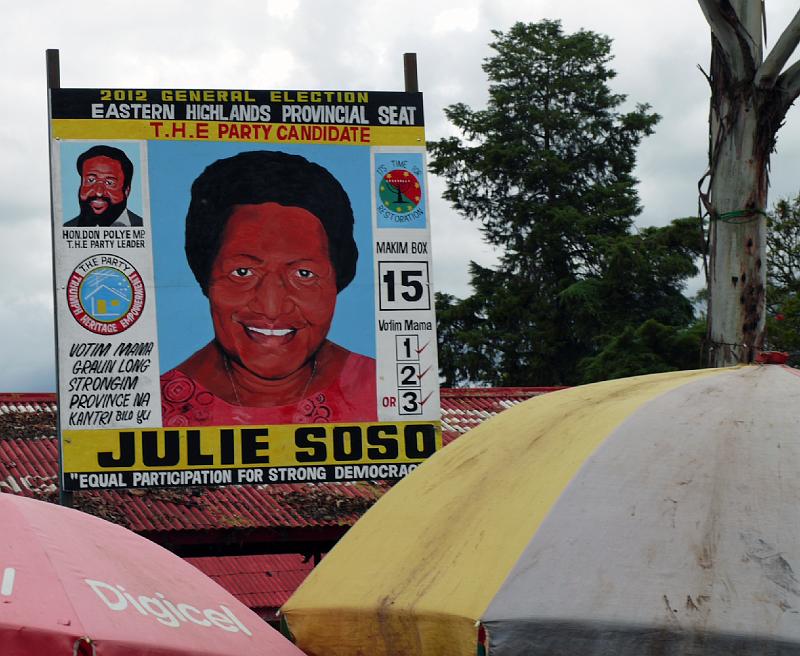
(650, 515)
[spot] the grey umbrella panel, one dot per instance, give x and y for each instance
(679, 535)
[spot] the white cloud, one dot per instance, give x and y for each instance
(282, 9)
(462, 19)
(351, 44)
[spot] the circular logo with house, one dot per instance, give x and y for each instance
(105, 294)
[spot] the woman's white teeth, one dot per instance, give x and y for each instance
(277, 332)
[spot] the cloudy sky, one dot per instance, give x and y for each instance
(317, 44)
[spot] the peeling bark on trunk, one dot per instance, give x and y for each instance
(737, 264)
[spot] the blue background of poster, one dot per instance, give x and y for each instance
(184, 322)
(71, 180)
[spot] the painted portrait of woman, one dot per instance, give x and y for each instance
(269, 239)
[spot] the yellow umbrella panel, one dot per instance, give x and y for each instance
(420, 569)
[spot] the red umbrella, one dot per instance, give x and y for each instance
(76, 585)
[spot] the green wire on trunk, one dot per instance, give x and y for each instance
(729, 217)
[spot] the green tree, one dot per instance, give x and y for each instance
(645, 272)
(783, 278)
(547, 170)
(651, 348)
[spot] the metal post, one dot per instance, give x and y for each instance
(54, 82)
(410, 70)
(53, 69)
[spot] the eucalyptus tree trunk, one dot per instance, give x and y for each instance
(750, 96)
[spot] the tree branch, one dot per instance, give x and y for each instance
(789, 81)
(751, 20)
(768, 72)
(737, 44)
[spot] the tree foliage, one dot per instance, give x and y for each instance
(783, 277)
(546, 169)
(649, 348)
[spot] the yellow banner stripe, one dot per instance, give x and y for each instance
(221, 447)
(163, 130)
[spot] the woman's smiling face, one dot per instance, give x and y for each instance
(272, 288)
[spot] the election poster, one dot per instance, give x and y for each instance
(242, 286)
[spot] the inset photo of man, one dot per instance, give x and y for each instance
(106, 176)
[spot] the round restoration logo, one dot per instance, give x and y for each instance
(400, 191)
(105, 294)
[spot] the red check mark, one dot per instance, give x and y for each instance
(422, 349)
(419, 376)
(425, 399)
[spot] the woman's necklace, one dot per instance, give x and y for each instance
(235, 389)
(226, 361)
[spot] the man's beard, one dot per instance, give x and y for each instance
(106, 217)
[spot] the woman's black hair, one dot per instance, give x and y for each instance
(264, 176)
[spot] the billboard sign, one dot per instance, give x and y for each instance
(243, 286)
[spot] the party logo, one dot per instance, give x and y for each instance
(399, 190)
(105, 294)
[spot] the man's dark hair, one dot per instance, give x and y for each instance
(111, 153)
(263, 176)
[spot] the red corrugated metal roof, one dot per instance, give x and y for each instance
(29, 466)
(27, 402)
(465, 408)
(263, 583)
